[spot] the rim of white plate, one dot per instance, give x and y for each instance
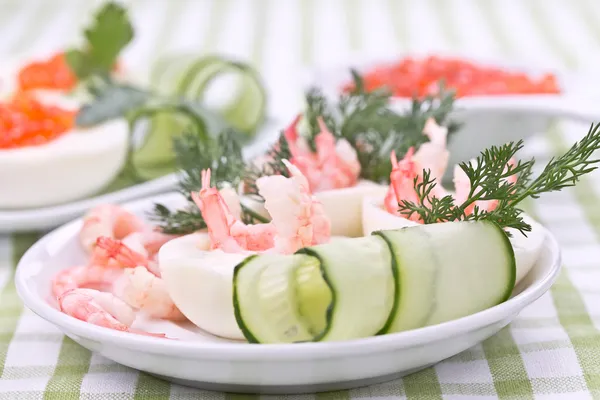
(246, 351)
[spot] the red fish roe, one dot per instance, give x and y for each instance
(24, 121)
(419, 77)
(52, 74)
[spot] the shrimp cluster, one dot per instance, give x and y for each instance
(334, 165)
(298, 218)
(432, 156)
(121, 276)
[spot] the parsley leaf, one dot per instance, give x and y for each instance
(109, 33)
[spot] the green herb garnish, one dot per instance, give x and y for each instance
(367, 121)
(110, 32)
(194, 153)
(487, 176)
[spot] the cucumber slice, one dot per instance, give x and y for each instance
(359, 273)
(264, 299)
(341, 290)
(448, 271)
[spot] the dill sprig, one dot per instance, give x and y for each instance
(272, 165)
(487, 177)
(316, 106)
(195, 153)
(369, 123)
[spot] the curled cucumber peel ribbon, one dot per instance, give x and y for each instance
(187, 80)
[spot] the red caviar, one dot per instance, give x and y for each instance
(53, 73)
(420, 77)
(24, 121)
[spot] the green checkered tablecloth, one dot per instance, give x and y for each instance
(551, 351)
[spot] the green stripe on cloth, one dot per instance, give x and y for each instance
(165, 32)
(72, 366)
(445, 19)
(423, 385)
(397, 12)
(352, 13)
(587, 13)
(215, 25)
(551, 35)
(568, 301)
(307, 28)
(149, 387)
(42, 14)
(506, 366)
(260, 29)
(490, 13)
(10, 304)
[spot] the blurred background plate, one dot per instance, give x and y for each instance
(486, 120)
(45, 218)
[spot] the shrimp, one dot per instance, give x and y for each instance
(98, 308)
(108, 220)
(401, 183)
(114, 253)
(298, 219)
(73, 291)
(138, 286)
(102, 309)
(93, 276)
(225, 229)
(143, 290)
(431, 156)
(334, 165)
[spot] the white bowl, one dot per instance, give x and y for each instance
(486, 120)
(201, 360)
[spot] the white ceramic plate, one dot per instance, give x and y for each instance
(201, 360)
(49, 217)
(487, 120)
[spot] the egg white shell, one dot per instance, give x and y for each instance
(200, 282)
(526, 249)
(76, 165)
(344, 206)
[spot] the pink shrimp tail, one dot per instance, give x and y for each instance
(291, 136)
(108, 249)
(93, 276)
(334, 165)
(224, 229)
(78, 304)
(338, 162)
(402, 180)
(214, 210)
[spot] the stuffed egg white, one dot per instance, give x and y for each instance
(199, 281)
(76, 164)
